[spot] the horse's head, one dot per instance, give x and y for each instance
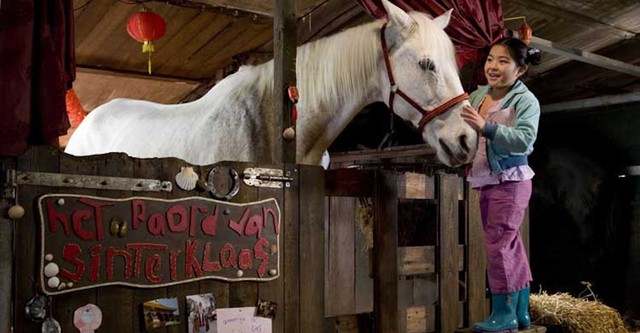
(423, 65)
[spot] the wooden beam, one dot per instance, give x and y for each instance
(385, 253)
(284, 67)
(135, 75)
(583, 56)
(264, 8)
(589, 103)
(570, 15)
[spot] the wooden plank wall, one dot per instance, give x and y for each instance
(440, 287)
(300, 309)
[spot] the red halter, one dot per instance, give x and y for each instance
(426, 115)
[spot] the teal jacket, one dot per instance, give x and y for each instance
(509, 146)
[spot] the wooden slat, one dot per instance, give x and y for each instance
(413, 260)
(170, 167)
(44, 159)
(243, 294)
(447, 256)
(420, 319)
(348, 182)
(385, 249)
(6, 254)
(311, 249)
(291, 255)
(111, 298)
(364, 280)
(274, 290)
(68, 303)
(340, 289)
(147, 168)
(476, 261)
(386, 153)
(413, 185)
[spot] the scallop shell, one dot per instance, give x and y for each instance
(186, 179)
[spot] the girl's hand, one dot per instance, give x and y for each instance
(471, 117)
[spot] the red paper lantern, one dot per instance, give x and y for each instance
(526, 33)
(75, 111)
(146, 27)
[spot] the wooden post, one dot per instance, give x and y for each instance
(284, 68)
(6, 255)
(447, 251)
(476, 260)
(385, 252)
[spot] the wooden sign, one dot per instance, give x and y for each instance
(87, 242)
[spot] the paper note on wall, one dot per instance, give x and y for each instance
(241, 320)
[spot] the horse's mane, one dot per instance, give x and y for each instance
(332, 69)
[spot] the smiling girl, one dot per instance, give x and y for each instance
(505, 114)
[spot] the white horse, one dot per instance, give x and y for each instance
(337, 76)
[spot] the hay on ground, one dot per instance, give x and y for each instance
(574, 315)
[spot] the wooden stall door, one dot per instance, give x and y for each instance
(298, 290)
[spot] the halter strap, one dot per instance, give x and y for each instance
(426, 115)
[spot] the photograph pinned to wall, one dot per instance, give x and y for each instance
(201, 314)
(266, 309)
(161, 312)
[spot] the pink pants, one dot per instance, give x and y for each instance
(502, 208)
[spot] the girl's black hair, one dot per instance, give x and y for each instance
(522, 54)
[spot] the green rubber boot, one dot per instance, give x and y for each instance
(522, 309)
(503, 315)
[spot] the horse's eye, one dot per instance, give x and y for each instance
(427, 64)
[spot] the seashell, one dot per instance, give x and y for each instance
(53, 282)
(62, 286)
(114, 226)
(239, 273)
(186, 179)
(51, 325)
(273, 272)
(35, 310)
(70, 285)
(51, 270)
(48, 257)
(123, 229)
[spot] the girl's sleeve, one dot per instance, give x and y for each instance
(519, 138)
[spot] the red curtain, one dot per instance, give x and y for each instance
(37, 66)
(474, 25)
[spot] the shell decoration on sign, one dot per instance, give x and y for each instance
(186, 179)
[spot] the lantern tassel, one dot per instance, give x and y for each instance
(147, 47)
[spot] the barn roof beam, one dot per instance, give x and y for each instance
(135, 75)
(589, 103)
(570, 15)
(583, 56)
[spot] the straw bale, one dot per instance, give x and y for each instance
(574, 315)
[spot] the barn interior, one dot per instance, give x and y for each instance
(585, 220)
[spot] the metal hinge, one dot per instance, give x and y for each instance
(15, 178)
(263, 177)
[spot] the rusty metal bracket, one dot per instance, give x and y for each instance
(86, 181)
(263, 177)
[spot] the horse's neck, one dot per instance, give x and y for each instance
(332, 100)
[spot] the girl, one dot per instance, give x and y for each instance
(505, 114)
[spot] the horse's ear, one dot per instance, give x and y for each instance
(398, 17)
(443, 20)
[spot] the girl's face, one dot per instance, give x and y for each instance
(500, 69)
